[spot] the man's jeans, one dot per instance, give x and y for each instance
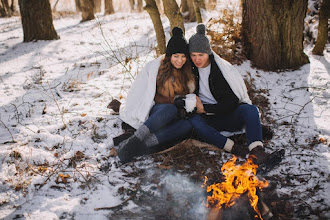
(207, 128)
(165, 124)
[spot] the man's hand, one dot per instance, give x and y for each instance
(199, 106)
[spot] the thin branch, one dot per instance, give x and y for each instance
(8, 131)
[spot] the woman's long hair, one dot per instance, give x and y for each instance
(185, 74)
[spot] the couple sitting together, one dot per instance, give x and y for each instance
(157, 99)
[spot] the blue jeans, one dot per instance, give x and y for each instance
(207, 128)
(165, 124)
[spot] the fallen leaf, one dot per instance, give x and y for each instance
(113, 152)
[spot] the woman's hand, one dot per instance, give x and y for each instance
(199, 106)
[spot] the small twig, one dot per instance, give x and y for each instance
(59, 108)
(8, 131)
(113, 207)
(306, 87)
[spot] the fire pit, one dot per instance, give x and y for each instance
(237, 193)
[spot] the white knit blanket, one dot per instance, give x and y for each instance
(140, 98)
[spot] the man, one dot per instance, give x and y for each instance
(222, 102)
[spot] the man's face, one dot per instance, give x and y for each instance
(200, 59)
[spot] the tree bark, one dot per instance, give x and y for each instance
(5, 9)
(131, 4)
(322, 35)
(37, 20)
(152, 9)
(108, 5)
(139, 6)
(273, 33)
(87, 10)
(198, 11)
(78, 7)
(97, 6)
(188, 10)
(172, 12)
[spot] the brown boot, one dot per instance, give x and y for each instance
(258, 155)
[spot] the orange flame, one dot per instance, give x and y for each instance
(238, 180)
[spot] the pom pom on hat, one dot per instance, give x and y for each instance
(177, 31)
(199, 43)
(200, 29)
(177, 43)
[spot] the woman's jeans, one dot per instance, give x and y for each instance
(207, 128)
(165, 124)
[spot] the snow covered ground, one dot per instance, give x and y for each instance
(56, 130)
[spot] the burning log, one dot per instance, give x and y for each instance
(240, 185)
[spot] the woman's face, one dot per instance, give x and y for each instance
(178, 60)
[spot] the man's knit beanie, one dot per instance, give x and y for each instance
(199, 43)
(177, 43)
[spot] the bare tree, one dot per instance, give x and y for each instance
(37, 20)
(78, 7)
(108, 7)
(197, 4)
(322, 35)
(6, 9)
(87, 10)
(151, 8)
(139, 6)
(173, 13)
(136, 5)
(273, 33)
(131, 4)
(188, 10)
(97, 6)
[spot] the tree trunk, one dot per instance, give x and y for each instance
(97, 6)
(108, 5)
(5, 9)
(139, 6)
(273, 33)
(152, 9)
(37, 20)
(322, 35)
(188, 10)
(198, 11)
(201, 3)
(87, 10)
(131, 4)
(173, 14)
(78, 7)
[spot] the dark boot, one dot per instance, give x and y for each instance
(258, 155)
(130, 148)
(266, 161)
(273, 160)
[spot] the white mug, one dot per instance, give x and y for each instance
(190, 102)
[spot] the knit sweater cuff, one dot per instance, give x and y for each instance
(255, 144)
(229, 145)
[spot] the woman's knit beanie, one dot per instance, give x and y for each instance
(199, 43)
(177, 43)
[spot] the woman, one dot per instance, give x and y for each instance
(149, 107)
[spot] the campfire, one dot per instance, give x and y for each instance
(239, 180)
